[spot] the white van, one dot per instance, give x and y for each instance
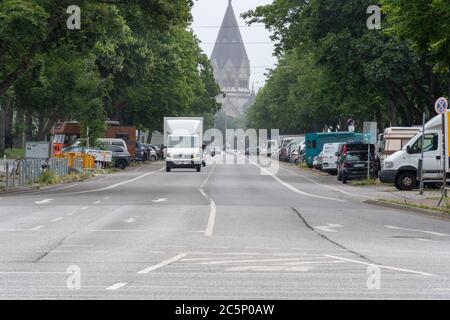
(113, 142)
(329, 157)
(401, 168)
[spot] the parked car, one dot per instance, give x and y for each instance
(159, 150)
(142, 153)
(344, 148)
(284, 147)
(113, 142)
(121, 158)
(293, 150)
(318, 161)
(330, 157)
(152, 154)
(354, 166)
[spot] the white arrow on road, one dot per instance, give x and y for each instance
(131, 220)
(43, 201)
(328, 227)
(160, 200)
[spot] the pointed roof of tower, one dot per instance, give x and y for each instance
(229, 44)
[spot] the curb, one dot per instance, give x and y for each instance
(427, 212)
(42, 188)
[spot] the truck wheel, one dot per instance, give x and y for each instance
(199, 168)
(168, 168)
(406, 181)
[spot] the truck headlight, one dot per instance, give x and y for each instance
(195, 155)
(388, 165)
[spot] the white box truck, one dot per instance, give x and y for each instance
(183, 141)
(401, 168)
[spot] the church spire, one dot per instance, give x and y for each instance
(229, 45)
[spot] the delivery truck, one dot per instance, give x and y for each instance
(183, 141)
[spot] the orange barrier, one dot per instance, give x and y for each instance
(87, 160)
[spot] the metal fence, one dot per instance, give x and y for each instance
(24, 172)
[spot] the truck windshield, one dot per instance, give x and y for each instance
(183, 142)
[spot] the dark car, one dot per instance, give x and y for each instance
(142, 153)
(353, 166)
(121, 158)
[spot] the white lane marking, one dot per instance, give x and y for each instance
(204, 194)
(379, 265)
(163, 264)
(160, 200)
(424, 240)
(117, 286)
(292, 188)
(77, 245)
(131, 220)
(270, 269)
(417, 230)
(37, 228)
(56, 219)
(97, 202)
(212, 219)
(249, 261)
(68, 187)
(324, 185)
(72, 213)
(85, 208)
(113, 186)
(328, 227)
(43, 201)
(207, 177)
(107, 198)
(212, 205)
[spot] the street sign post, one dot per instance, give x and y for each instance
(441, 107)
(370, 137)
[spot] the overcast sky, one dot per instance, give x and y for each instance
(208, 16)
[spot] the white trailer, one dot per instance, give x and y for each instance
(183, 141)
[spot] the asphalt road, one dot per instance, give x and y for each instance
(229, 232)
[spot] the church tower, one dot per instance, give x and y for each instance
(232, 67)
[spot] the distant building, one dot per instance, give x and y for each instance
(232, 67)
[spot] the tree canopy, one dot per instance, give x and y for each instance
(332, 67)
(132, 61)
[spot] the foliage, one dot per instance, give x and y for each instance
(134, 62)
(333, 68)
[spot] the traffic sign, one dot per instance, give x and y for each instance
(441, 105)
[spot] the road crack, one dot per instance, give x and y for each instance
(330, 240)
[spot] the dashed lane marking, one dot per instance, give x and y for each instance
(163, 264)
(43, 201)
(117, 286)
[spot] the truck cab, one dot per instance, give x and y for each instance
(402, 168)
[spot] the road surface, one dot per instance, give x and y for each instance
(229, 232)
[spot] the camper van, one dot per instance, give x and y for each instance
(401, 168)
(394, 139)
(316, 141)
